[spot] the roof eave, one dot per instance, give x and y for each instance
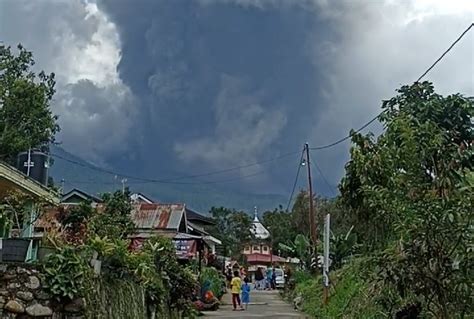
(28, 185)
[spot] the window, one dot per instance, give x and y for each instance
(256, 248)
(247, 248)
(265, 248)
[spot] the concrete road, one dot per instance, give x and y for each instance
(264, 304)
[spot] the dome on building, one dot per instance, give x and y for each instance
(258, 230)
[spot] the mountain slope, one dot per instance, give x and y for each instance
(77, 173)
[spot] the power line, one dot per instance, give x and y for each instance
(445, 52)
(296, 181)
(174, 180)
(419, 79)
(315, 164)
(177, 183)
(347, 137)
(171, 180)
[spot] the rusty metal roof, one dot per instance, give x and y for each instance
(158, 216)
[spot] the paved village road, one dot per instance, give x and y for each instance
(264, 304)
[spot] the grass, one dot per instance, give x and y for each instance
(350, 296)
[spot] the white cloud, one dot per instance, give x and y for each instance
(97, 119)
(77, 42)
(381, 46)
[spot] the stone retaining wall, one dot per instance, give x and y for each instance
(23, 295)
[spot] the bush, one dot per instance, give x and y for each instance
(350, 295)
(212, 280)
(65, 273)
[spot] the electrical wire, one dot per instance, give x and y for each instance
(445, 52)
(331, 188)
(171, 180)
(345, 138)
(418, 80)
(296, 181)
(178, 183)
(175, 180)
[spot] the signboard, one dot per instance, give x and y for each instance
(185, 248)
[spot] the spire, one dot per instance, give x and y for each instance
(258, 229)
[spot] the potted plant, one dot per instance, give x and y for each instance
(13, 210)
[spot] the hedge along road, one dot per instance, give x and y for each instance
(263, 304)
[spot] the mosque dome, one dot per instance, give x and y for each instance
(258, 230)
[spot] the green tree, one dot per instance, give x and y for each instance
(26, 120)
(300, 213)
(279, 224)
(409, 196)
(233, 228)
(114, 220)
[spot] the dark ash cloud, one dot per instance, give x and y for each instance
(186, 86)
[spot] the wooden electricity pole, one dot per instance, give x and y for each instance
(312, 219)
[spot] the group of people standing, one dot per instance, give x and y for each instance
(239, 284)
(265, 279)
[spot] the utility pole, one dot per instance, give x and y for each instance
(312, 219)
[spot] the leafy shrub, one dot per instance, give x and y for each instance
(212, 279)
(65, 273)
(114, 221)
(350, 295)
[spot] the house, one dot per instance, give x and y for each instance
(150, 219)
(165, 219)
(12, 179)
(76, 197)
(183, 225)
(258, 252)
(140, 198)
(168, 220)
(196, 225)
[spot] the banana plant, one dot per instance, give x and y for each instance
(300, 248)
(343, 246)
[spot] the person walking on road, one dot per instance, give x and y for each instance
(258, 279)
(246, 293)
(269, 278)
(235, 287)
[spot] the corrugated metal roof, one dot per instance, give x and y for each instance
(157, 216)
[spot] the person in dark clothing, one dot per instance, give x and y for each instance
(258, 278)
(228, 275)
(273, 281)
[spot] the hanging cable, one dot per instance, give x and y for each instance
(296, 181)
(315, 164)
(173, 180)
(180, 183)
(445, 52)
(418, 80)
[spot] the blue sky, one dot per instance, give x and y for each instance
(171, 87)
